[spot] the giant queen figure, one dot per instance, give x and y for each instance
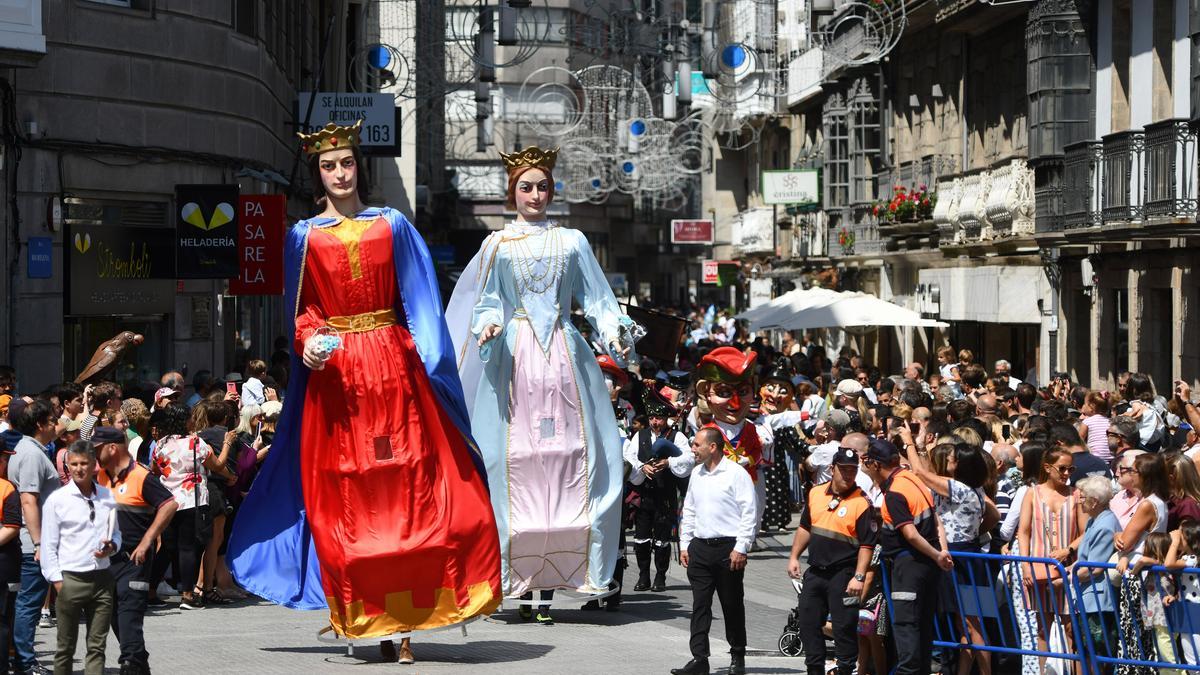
(539, 408)
(373, 500)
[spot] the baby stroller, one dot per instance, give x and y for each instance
(789, 642)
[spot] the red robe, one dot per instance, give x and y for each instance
(400, 517)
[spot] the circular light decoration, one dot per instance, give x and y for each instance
(628, 168)
(596, 183)
(558, 186)
(637, 127)
(379, 56)
(737, 60)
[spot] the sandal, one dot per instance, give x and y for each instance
(213, 596)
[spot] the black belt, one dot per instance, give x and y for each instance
(716, 541)
(822, 569)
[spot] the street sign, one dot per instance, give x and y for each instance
(377, 111)
(206, 231)
(798, 186)
(41, 251)
(692, 232)
(261, 222)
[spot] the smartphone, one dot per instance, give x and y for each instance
(231, 387)
(1005, 430)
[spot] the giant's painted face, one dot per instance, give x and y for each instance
(776, 396)
(729, 401)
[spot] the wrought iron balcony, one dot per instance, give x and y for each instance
(1048, 194)
(1082, 185)
(1123, 175)
(1170, 156)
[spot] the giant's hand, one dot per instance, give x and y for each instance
(314, 358)
(488, 334)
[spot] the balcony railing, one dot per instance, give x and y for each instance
(972, 207)
(986, 205)
(945, 212)
(1082, 191)
(1048, 194)
(1170, 169)
(805, 74)
(1009, 204)
(1123, 175)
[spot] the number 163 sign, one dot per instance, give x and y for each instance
(377, 111)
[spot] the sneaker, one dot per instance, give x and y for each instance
(35, 669)
(525, 612)
(156, 602)
(46, 621)
(194, 603)
(544, 619)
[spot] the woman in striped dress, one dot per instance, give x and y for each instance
(1051, 526)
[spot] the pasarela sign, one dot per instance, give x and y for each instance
(261, 222)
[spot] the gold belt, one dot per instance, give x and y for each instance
(361, 323)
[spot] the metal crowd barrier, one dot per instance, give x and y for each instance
(1089, 619)
(1128, 623)
(988, 590)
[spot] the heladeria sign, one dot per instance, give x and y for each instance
(206, 231)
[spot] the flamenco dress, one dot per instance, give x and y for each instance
(373, 478)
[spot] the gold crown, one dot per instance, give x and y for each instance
(532, 156)
(332, 137)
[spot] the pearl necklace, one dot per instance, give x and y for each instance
(525, 262)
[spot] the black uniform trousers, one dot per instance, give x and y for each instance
(824, 591)
(132, 589)
(8, 601)
(708, 571)
(914, 583)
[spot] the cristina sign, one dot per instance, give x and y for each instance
(798, 186)
(119, 270)
(206, 229)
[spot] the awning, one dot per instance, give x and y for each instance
(823, 308)
(787, 305)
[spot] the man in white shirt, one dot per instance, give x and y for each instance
(79, 533)
(719, 521)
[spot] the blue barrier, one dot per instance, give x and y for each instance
(1157, 636)
(986, 594)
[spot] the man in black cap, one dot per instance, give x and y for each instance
(144, 509)
(658, 459)
(839, 529)
(912, 551)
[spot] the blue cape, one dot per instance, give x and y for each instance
(271, 552)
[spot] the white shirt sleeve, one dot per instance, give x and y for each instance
(682, 465)
(747, 501)
(629, 452)
(687, 524)
(49, 543)
(1013, 518)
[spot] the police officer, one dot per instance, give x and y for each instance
(911, 550)
(839, 529)
(657, 457)
(144, 509)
